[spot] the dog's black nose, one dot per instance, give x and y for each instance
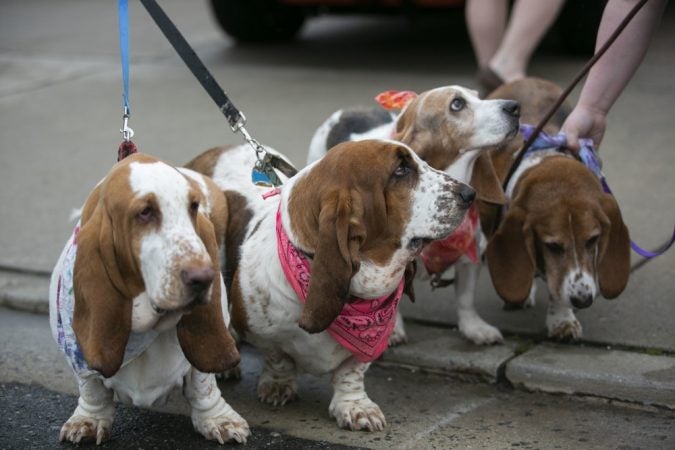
(466, 193)
(197, 279)
(511, 108)
(581, 302)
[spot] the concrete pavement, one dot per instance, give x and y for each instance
(60, 112)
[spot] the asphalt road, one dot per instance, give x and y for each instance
(29, 424)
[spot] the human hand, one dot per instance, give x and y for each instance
(584, 122)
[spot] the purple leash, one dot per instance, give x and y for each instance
(590, 159)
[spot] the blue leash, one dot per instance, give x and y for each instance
(126, 147)
(124, 51)
(590, 159)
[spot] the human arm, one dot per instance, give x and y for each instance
(610, 75)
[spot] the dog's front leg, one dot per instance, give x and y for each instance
(561, 322)
(350, 406)
(211, 415)
(277, 385)
(471, 325)
(94, 415)
(398, 335)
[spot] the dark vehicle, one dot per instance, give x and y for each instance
(280, 20)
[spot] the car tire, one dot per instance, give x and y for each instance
(258, 20)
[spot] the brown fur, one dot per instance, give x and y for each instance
(557, 201)
(205, 162)
(107, 277)
(343, 215)
(438, 143)
(237, 226)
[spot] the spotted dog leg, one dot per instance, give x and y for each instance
(211, 415)
(561, 322)
(277, 385)
(398, 336)
(471, 325)
(350, 406)
(93, 417)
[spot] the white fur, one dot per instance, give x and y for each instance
(174, 245)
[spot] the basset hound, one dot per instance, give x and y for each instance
(318, 270)
(137, 303)
(559, 224)
(451, 129)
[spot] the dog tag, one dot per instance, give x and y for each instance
(263, 173)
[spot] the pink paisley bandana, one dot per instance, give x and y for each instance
(439, 255)
(364, 325)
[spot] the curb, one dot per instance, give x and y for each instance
(623, 375)
(24, 292)
(629, 376)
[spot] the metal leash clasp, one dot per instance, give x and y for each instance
(127, 132)
(263, 173)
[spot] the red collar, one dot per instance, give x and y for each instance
(439, 255)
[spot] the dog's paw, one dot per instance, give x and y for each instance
(479, 331)
(223, 428)
(357, 415)
(277, 393)
(568, 330)
(562, 324)
(82, 429)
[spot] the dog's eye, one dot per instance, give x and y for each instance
(592, 242)
(401, 171)
(555, 248)
(457, 104)
(147, 214)
(194, 208)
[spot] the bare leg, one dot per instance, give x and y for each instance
(211, 415)
(528, 23)
(350, 406)
(486, 22)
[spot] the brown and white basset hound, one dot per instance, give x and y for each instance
(317, 271)
(450, 128)
(559, 224)
(137, 302)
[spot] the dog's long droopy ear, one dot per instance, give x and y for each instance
(485, 181)
(203, 334)
(341, 233)
(510, 257)
(614, 251)
(102, 316)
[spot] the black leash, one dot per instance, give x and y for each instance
(263, 172)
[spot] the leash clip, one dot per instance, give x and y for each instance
(239, 124)
(127, 132)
